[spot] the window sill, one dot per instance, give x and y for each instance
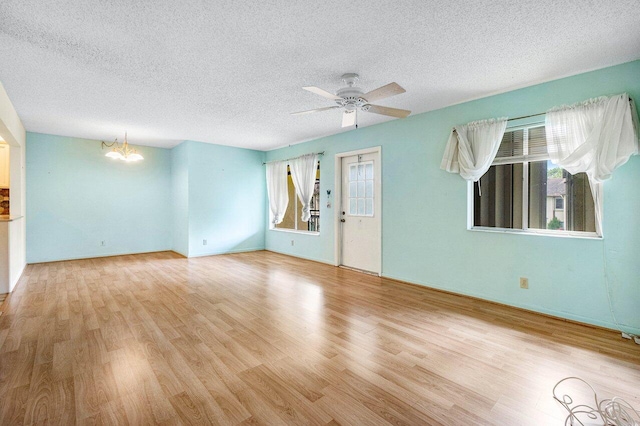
(539, 233)
(295, 231)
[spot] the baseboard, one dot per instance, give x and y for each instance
(302, 257)
(216, 253)
(98, 256)
(575, 319)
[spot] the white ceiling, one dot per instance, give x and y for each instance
(230, 72)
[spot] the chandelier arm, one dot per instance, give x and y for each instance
(109, 145)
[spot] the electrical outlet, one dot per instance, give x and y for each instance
(524, 282)
(291, 242)
(204, 242)
(103, 243)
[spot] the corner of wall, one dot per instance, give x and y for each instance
(180, 198)
(211, 187)
(13, 132)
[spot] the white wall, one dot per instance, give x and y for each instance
(13, 132)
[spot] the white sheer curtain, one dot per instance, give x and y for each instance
(472, 148)
(593, 137)
(303, 174)
(277, 189)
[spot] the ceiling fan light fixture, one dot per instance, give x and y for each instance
(353, 99)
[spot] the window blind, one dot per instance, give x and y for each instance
(522, 145)
(537, 141)
(512, 144)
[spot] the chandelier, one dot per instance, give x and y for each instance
(122, 151)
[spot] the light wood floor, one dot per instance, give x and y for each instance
(262, 338)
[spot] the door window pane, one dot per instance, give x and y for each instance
(369, 190)
(353, 172)
(353, 210)
(369, 207)
(361, 189)
(369, 171)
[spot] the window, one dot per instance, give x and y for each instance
(293, 216)
(523, 190)
(361, 189)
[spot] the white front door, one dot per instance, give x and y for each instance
(360, 214)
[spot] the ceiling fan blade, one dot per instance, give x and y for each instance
(348, 118)
(314, 110)
(323, 93)
(391, 112)
(390, 89)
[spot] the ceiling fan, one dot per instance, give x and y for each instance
(352, 99)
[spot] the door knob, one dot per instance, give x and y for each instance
(342, 220)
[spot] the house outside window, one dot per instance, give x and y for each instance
(524, 191)
(556, 191)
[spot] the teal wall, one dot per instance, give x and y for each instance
(227, 195)
(77, 197)
(180, 198)
(174, 199)
(424, 235)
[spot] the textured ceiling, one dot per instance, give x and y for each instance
(231, 72)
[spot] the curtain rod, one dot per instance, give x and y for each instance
(532, 115)
(293, 158)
